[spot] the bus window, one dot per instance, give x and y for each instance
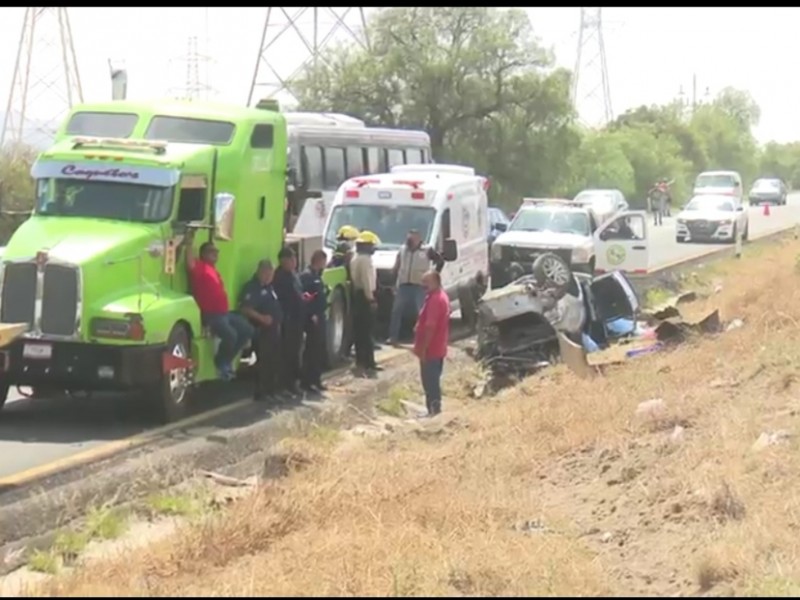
(374, 156)
(394, 158)
(414, 156)
(355, 162)
(262, 136)
(334, 168)
(312, 168)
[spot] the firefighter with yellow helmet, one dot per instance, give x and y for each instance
(364, 283)
(343, 252)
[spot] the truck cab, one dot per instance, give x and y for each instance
(97, 274)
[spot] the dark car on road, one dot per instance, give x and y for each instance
(768, 190)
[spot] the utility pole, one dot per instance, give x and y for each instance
(590, 84)
(195, 86)
(312, 28)
(45, 82)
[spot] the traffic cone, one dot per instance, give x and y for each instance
(766, 209)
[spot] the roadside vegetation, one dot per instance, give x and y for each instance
(681, 482)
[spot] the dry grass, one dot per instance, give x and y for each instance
(556, 487)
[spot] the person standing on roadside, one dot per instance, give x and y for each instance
(342, 256)
(364, 281)
(290, 295)
(431, 337)
(413, 261)
(316, 297)
(260, 304)
(232, 329)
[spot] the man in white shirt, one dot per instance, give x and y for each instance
(413, 262)
(364, 281)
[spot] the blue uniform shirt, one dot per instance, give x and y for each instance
(313, 284)
(262, 299)
(290, 295)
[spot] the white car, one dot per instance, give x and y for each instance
(726, 183)
(712, 218)
(603, 203)
(573, 233)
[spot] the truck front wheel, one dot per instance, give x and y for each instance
(172, 394)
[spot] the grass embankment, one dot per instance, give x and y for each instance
(558, 486)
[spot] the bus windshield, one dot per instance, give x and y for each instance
(390, 223)
(103, 200)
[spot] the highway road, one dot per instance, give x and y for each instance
(37, 434)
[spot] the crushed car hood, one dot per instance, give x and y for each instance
(540, 239)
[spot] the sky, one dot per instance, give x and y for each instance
(651, 53)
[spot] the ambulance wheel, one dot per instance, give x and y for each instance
(467, 306)
(337, 333)
(551, 271)
(171, 395)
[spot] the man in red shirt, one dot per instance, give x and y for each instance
(232, 329)
(431, 336)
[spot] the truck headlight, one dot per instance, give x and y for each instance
(580, 255)
(128, 328)
(497, 252)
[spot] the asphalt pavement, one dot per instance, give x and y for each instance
(35, 433)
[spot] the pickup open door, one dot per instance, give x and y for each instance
(621, 243)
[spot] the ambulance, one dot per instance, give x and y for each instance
(446, 204)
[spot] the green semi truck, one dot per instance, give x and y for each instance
(97, 273)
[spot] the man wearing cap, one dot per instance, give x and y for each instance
(413, 261)
(364, 281)
(259, 303)
(290, 295)
(232, 329)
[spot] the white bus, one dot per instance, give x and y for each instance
(326, 149)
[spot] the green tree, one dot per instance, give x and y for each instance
(16, 188)
(473, 77)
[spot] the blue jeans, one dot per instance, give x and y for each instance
(431, 374)
(233, 331)
(409, 297)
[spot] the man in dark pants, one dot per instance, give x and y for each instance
(363, 278)
(290, 295)
(316, 296)
(260, 304)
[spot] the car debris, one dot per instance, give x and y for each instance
(519, 325)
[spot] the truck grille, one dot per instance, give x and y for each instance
(59, 300)
(58, 306)
(702, 227)
(19, 293)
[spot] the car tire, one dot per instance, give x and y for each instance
(5, 388)
(733, 235)
(553, 272)
(680, 240)
(172, 394)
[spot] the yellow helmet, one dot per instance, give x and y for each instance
(367, 237)
(347, 232)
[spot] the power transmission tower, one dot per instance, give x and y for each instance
(309, 29)
(45, 82)
(590, 78)
(196, 86)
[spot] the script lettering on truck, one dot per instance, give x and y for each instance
(84, 171)
(114, 174)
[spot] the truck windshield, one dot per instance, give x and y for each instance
(551, 220)
(390, 223)
(103, 200)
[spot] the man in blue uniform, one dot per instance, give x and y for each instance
(290, 295)
(259, 303)
(316, 297)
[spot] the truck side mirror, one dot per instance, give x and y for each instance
(224, 205)
(450, 250)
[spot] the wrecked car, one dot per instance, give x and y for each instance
(518, 324)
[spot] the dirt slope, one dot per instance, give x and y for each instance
(647, 481)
